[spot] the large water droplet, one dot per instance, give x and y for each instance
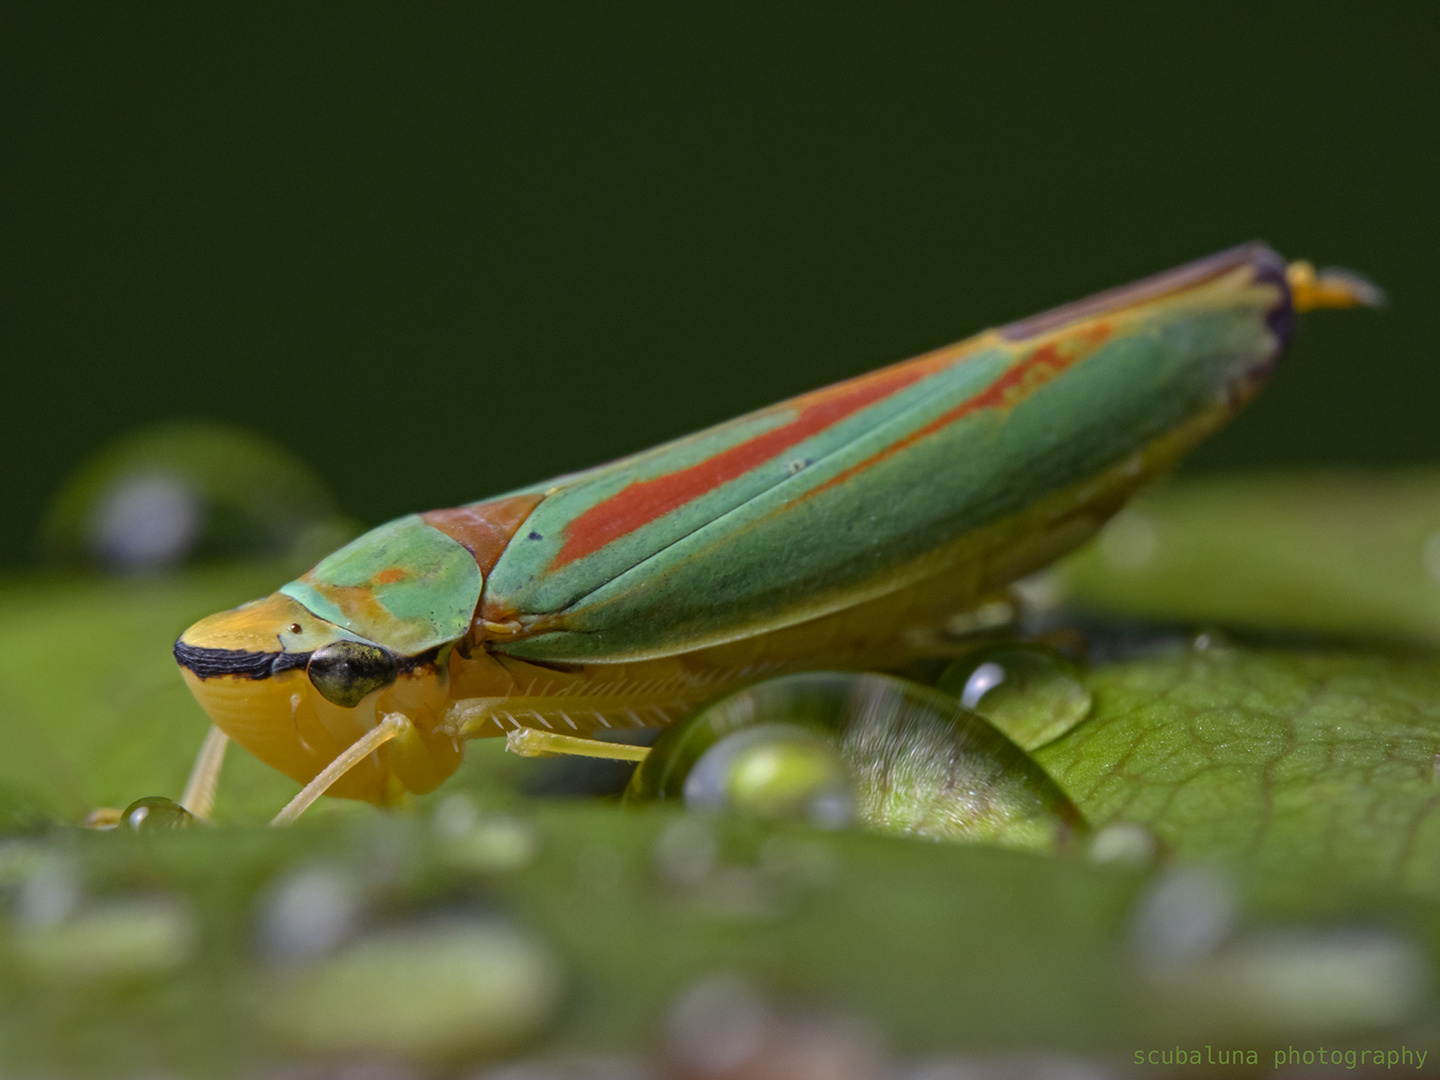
(163, 495)
(155, 812)
(1031, 693)
(145, 521)
(893, 755)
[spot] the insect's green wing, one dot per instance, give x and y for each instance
(848, 492)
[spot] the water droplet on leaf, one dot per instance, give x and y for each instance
(717, 1025)
(774, 771)
(155, 812)
(428, 992)
(1314, 979)
(1031, 693)
(1184, 917)
(1430, 556)
(1129, 541)
(470, 840)
(1212, 641)
(308, 913)
(1125, 843)
(721, 1028)
(118, 939)
(145, 521)
(50, 893)
(161, 496)
(686, 851)
(909, 759)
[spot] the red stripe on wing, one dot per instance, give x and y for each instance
(1017, 383)
(641, 502)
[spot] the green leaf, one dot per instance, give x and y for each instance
(1317, 772)
(1309, 776)
(1336, 552)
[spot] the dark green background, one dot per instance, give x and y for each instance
(439, 254)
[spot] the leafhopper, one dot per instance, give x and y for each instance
(821, 532)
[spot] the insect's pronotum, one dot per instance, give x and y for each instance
(814, 533)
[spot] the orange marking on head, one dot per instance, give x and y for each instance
(358, 603)
(389, 576)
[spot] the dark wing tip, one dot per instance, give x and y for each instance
(1265, 261)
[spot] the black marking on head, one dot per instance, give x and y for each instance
(213, 663)
(238, 663)
(534, 536)
(288, 661)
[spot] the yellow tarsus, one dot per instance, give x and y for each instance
(528, 742)
(1331, 288)
(103, 817)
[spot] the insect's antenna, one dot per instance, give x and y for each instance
(199, 797)
(393, 724)
(1330, 288)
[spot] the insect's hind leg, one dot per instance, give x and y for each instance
(531, 742)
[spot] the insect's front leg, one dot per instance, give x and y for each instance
(199, 796)
(390, 727)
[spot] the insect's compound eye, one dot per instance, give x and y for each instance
(345, 671)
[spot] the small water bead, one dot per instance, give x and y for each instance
(1031, 693)
(309, 912)
(50, 890)
(686, 851)
(1129, 542)
(721, 1027)
(1214, 642)
(471, 840)
(1124, 843)
(20, 860)
(155, 812)
(882, 752)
